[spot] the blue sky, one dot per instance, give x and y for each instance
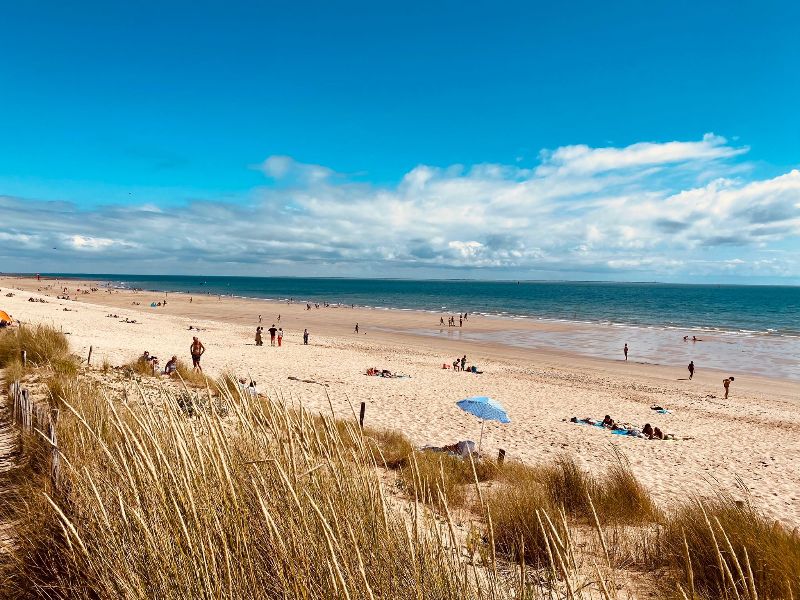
(146, 128)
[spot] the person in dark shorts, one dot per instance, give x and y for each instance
(197, 350)
(691, 369)
(272, 331)
(625, 350)
(305, 337)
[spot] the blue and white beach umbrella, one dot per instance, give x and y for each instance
(486, 409)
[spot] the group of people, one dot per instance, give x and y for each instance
(451, 321)
(647, 432)
(460, 364)
(726, 383)
(275, 335)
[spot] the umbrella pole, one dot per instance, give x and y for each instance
(480, 440)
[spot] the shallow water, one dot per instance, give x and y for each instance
(768, 355)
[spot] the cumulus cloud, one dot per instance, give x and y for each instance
(675, 209)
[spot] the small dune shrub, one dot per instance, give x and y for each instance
(390, 448)
(733, 551)
(42, 343)
(526, 524)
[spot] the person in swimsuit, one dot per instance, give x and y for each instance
(305, 337)
(625, 350)
(197, 350)
(259, 341)
(356, 330)
(272, 331)
(691, 369)
(280, 336)
(727, 383)
(171, 366)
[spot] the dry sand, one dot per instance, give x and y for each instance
(753, 437)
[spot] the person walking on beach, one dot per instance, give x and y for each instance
(305, 337)
(259, 341)
(441, 321)
(197, 350)
(356, 330)
(280, 336)
(259, 318)
(625, 350)
(691, 369)
(464, 362)
(279, 318)
(727, 384)
(272, 331)
(460, 321)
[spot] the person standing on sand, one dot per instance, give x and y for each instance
(280, 336)
(197, 350)
(463, 362)
(305, 337)
(691, 369)
(272, 331)
(356, 330)
(259, 318)
(460, 321)
(441, 321)
(726, 384)
(625, 350)
(259, 341)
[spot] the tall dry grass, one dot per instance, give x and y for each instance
(725, 549)
(267, 505)
(44, 345)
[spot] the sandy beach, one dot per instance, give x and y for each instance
(751, 437)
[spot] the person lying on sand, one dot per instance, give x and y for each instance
(462, 449)
(608, 422)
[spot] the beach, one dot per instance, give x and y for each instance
(752, 437)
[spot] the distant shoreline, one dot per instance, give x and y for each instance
(692, 329)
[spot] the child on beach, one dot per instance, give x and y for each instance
(727, 384)
(280, 336)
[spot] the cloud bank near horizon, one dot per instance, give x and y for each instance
(674, 210)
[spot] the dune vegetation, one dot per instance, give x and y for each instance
(244, 497)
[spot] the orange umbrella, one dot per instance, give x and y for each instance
(4, 316)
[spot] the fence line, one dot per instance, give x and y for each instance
(31, 416)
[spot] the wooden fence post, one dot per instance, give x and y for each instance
(24, 356)
(361, 416)
(501, 457)
(89, 360)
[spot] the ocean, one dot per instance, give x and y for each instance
(758, 326)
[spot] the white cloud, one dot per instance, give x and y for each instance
(632, 211)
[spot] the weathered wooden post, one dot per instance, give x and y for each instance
(501, 457)
(361, 416)
(89, 360)
(24, 357)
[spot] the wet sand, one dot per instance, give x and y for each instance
(753, 435)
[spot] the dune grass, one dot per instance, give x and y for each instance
(43, 344)
(153, 509)
(726, 549)
(242, 497)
